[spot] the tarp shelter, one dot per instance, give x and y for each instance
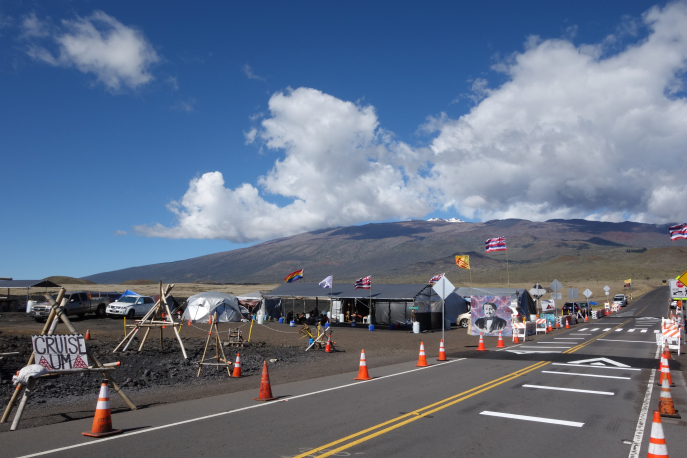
(391, 302)
(519, 297)
(257, 303)
(204, 305)
(128, 292)
(28, 284)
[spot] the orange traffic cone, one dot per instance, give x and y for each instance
(665, 372)
(480, 347)
(666, 352)
(237, 366)
(189, 322)
(88, 335)
(550, 328)
(328, 348)
(362, 370)
(500, 344)
(102, 422)
(657, 443)
(442, 352)
(585, 319)
(516, 340)
(567, 325)
(422, 359)
(265, 388)
(666, 406)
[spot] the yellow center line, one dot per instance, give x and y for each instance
(584, 344)
(419, 413)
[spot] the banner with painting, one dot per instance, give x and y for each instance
(491, 314)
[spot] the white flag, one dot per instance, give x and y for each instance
(327, 282)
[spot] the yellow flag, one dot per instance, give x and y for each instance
(629, 280)
(683, 278)
(463, 261)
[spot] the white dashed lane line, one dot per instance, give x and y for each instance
(574, 390)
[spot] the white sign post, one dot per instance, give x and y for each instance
(443, 288)
(60, 352)
(555, 286)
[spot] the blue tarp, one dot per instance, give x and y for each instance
(128, 292)
(592, 303)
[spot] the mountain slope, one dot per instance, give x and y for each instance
(413, 250)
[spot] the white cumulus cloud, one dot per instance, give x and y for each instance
(338, 169)
(595, 131)
(98, 44)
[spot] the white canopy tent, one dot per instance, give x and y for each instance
(204, 305)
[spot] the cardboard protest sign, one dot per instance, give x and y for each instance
(60, 352)
(491, 314)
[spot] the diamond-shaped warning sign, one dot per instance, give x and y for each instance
(44, 362)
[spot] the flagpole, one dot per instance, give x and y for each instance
(507, 271)
(369, 320)
(331, 302)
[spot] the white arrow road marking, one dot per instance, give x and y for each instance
(574, 390)
(597, 361)
(537, 419)
(585, 375)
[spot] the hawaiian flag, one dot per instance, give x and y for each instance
(495, 244)
(678, 231)
(436, 278)
(293, 276)
(364, 283)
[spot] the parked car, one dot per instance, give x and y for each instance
(620, 299)
(130, 306)
(79, 303)
(464, 320)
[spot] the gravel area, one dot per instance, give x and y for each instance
(153, 376)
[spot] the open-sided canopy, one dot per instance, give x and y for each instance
(380, 291)
(28, 284)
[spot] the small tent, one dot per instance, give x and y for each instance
(204, 305)
(128, 292)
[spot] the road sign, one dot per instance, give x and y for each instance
(556, 296)
(607, 293)
(572, 293)
(587, 293)
(443, 287)
(606, 288)
(555, 286)
(537, 291)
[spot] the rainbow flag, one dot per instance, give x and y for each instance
(293, 276)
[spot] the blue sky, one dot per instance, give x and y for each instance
(265, 119)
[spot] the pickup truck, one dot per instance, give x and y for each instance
(79, 303)
(620, 299)
(130, 306)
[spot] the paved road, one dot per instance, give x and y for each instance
(579, 392)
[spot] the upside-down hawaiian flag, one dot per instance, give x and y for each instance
(364, 283)
(679, 231)
(436, 278)
(293, 276)
(495, 244)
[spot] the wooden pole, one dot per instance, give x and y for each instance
(20, 410)
(65, 319)
(47, 329)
